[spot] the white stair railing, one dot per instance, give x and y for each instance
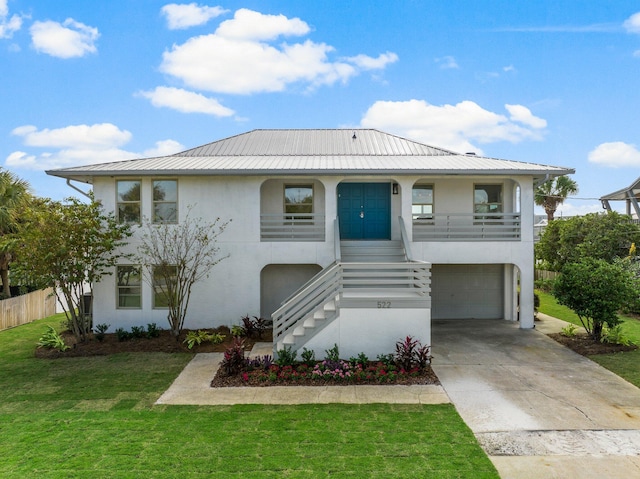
(367, 285)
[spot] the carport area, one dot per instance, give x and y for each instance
(538, 409)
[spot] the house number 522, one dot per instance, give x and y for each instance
(384, 304)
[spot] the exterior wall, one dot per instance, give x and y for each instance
(234, 287)
(349, 331)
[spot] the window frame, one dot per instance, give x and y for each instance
(295, 215)
(154, 304)
(422, 215)
(120, 287)
(125, 203)
(155, 202)
(489, 211)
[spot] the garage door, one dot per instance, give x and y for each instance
(467, 291)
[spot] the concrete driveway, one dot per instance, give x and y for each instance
(538, 409)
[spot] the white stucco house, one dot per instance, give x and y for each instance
(348, 237)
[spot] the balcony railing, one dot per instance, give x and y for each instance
(298, 227)
(467, 227)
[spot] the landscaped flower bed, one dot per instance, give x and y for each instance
(411, 364)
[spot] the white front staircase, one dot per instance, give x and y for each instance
(370, 274)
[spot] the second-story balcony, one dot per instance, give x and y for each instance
(288, 227)
(467, 227)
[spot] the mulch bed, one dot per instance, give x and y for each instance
(165, 343)
(221, 380)
(586, 346)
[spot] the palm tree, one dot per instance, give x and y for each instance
(553, 192)
(14, 196)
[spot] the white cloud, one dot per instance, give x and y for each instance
(239, 59)
(615, 154)
(79, 145)
(447, 63)
(181, 16)
(249, 25)
(8, 25)
(186, 101)
(632, 24)
(366, 62)
(521, 114)
(163, 148)
(77, 136)
(453, 127)
(64, 40)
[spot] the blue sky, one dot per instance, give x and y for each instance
(554, 82)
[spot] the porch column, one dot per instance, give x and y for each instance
(330, 205)
(406, 198)
(526, 298)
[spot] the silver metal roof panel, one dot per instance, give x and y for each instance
(311, 152)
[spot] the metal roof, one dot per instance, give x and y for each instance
(311, 152)
(625, 193)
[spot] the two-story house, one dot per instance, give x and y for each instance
(348, 237)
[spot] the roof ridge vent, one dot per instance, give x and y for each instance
(470, 153)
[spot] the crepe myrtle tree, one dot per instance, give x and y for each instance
(596, 291)
(66, 246)
(177, 256)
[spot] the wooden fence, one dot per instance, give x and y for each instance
(542, 274)
(26, 308)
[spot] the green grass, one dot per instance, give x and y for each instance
(624, 364)
(94, 417)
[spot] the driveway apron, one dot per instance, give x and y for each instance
(537, 408)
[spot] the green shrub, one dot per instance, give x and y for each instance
(123, 335)
(286, 357)
(198, 337)
(137, 332)
(101, 329)
(595, 290)
(615, 335)
(308, 356)
(569, 330)
(153, 331)
(52, 340)
(332, 354)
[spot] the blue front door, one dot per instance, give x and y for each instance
(364, 210)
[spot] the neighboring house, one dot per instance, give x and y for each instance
(629, 195)
(387, 233)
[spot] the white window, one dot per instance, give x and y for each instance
(298, 199)
(487, 199)
(128, 201)
(165, 201)
(129, 286)
(164, 284)
(422, 203)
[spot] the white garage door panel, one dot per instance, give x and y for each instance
(467, 291)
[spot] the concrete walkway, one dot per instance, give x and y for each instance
(192, 386)
(538, 409)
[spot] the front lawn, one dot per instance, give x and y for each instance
(94, 417)
(624, 364)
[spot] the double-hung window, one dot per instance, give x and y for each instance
(165, 201)
(422, 202)
(298, 202)
(128, 201)
(164, 284)
(129, 279)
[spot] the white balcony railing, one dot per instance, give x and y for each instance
(299, 227)
(467, 227)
